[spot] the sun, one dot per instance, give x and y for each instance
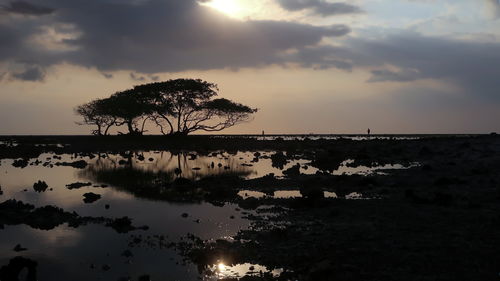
(231, 8)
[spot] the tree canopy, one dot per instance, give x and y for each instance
(179, 106)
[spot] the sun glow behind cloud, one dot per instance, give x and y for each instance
(232, 8)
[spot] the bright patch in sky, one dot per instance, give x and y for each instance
(231, 8)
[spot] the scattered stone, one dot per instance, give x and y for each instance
(144, 278)
(91, 197)
(19, 248)
(20, 163)
(40, 186)
(77, 185)
(127, 253)
(80, 164)
(12, 271)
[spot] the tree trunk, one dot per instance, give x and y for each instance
(130, 127)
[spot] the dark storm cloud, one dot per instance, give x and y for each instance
(319, 7)
(470, 64)
(25, 8)
(405, 75)
(31, 73)
(152, 36)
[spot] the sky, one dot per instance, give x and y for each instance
(309, 66)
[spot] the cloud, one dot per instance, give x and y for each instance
(493, 8)
(153, 36)
(319, 7)
(135, 77)
(107, 75)
(404, 75)
(468, 64)
(26, 8)
(31, 73)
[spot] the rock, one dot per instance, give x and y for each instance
(279, 160)
(106, 206)
(123, 225)
(19, 248)
(312, 192)
(151, 159)
(91, 197)
(40, 186)
(185, 215)
(144, 278)
(106, 267)
(77, 185)
(80, 164)
(11, 271)
(292, 171)
(20, 163)
(127, 253)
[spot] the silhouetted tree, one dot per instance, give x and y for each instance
(180, 106)
(186, 105)
(95, 113)
(129, 107)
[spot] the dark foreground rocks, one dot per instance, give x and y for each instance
(13, 212)
(11, 271)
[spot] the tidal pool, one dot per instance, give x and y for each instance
(96, 252)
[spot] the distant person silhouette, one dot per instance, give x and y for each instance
(368, 131)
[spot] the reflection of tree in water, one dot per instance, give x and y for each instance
(166, 175)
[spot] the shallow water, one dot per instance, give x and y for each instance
(66, 253)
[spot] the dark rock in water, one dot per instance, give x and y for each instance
(249, 203)
(91, 197)
(181, 183)
(14, 212)
(106, 206)
(77, 185)
(106, 267)
(80, 164)
(19, 248)
(293, 171)
(279, 160)
(122, 162)
(177, 171)
(144, 278)
(40, 186)
(185, 215)
(312, 192)
(151, 159)
(127, 253)
(11, 271)
(123, 225)
(20, 163)
(140, 158)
